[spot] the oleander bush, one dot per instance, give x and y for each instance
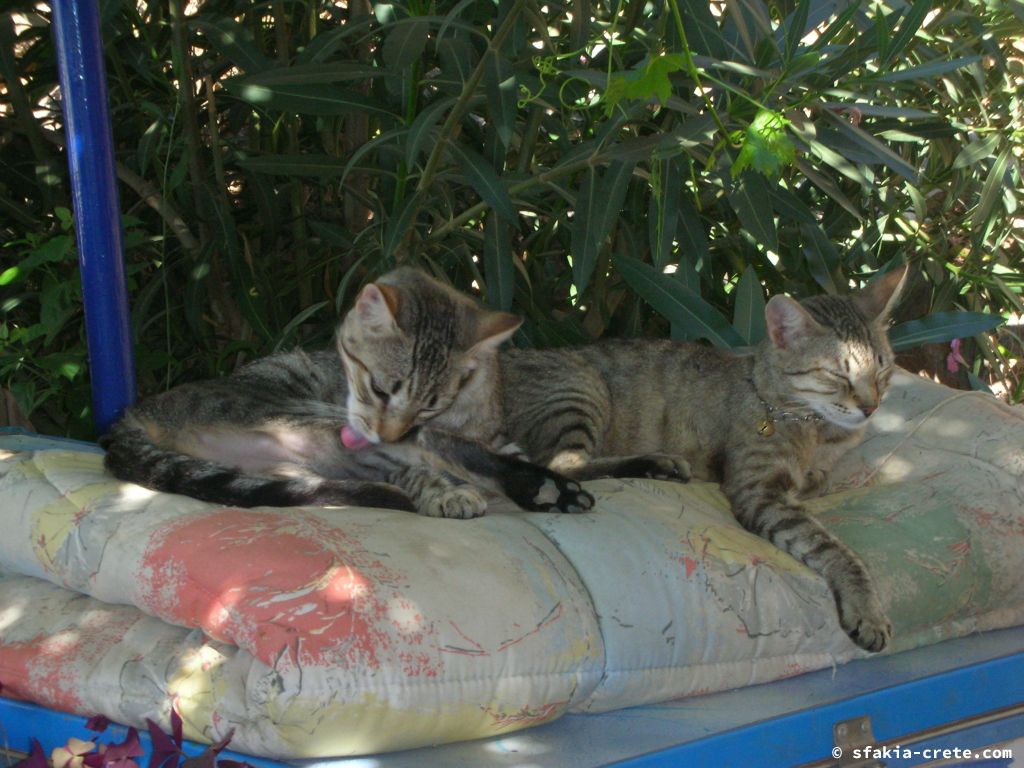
(635, 167)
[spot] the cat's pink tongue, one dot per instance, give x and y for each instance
(352, 439)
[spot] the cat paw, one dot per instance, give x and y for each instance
(560, 494)
(816, 483)
(866, 624)
(539, 489)
(657, 466)
(460, 502)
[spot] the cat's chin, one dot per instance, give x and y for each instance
(844, 421)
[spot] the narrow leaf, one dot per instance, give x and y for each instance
(977, 151)
(751, 199)
(932, 69)
(235, 42)
(500, 82)
(663, 210)
(678, 304)
(310, 74)
(308, 99)
(398, 226)
(321, 166)
(423, 127)
(821, 255)
(942, 327)
(484, 179)
(405, 43)
(597, 205)
(748, 310)
(693, 240)
(499, 269)
(908, 27)
(991, 191)
(876, 148)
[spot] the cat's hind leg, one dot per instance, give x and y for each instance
(658, 466)
(529, 485)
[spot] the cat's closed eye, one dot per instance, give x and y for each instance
(378, 392)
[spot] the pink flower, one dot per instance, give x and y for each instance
(954, 359)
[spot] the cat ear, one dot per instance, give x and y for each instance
(881, 295)
(377, 307)
(788, 322)
(492, 329)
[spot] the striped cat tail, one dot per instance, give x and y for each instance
(131, 456)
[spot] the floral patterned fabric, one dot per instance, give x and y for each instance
(318, 632)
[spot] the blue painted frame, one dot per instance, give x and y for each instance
(797, 736)
(90, 149)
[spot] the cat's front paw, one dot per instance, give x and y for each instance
(657, 466)
(816, 483)
(459, 502)
(866, 623)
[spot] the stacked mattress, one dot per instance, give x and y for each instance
(340, 631)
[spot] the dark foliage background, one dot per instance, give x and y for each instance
(603, 168)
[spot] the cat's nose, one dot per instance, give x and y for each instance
(867, 410)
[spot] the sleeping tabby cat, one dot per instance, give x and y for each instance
(381, 426)
(768, 426)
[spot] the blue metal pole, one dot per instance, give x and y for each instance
(90, 148)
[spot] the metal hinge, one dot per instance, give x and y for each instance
(849, 739)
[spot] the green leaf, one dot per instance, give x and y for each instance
(991, 191)
(291, 330)
(598, 203)
(786, 204)
(693, 240)
(908, 28)
(663, 209)
(766, 148)
(873, 146)
(308, 99)
(678, 304)
(977, 151)
(405, 43)
(321, 166)
(748, 311)
(796, 27)
(649, 81)
(484, 179)
(422, 127)
(702, 31)
(499, 269)
(942, 327)
(751, 199)
(821, 255)
(977, 384)
(925, 71)
(398, 225)
(310, 74)
(502, 90)
(235, 42)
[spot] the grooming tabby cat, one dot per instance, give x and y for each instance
(768, 426)
(382, 425)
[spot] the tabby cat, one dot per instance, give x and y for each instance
(768, 425)
(381, 425)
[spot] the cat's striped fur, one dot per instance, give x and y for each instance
(405, 383)
(627, 407)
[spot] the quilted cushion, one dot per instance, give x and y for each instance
(317, 632)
